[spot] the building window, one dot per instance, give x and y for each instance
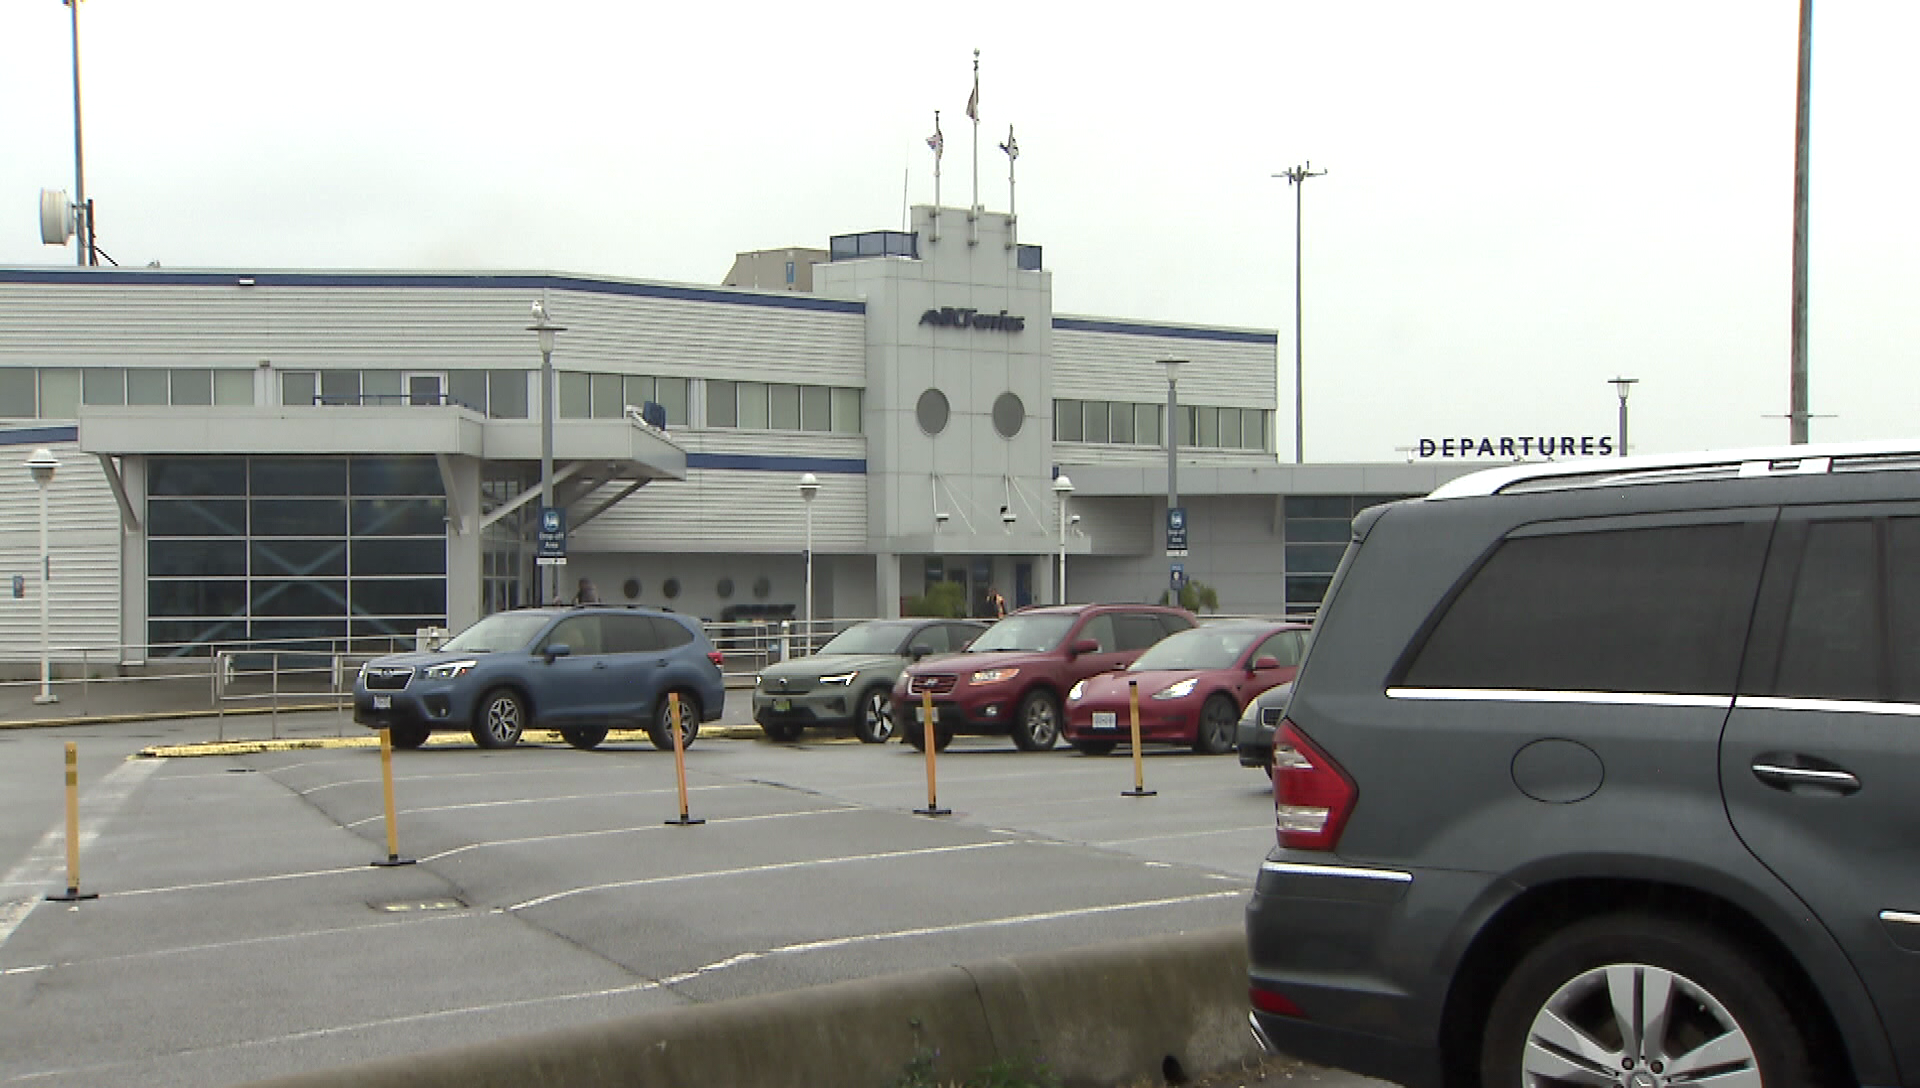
(298, 387)
(576, 395)
(103, 385)
(468, 388)
(233, 386)
(723, 406)
(671, 394)
(192, 386)
(17, 399)
(1067, 421)
(846, 411)
(783, 405)
(816, 413)
(1316, 531)
(60, 394)
(507, 394)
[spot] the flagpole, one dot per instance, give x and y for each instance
(973, 111)
(939, 145)
(1012, 148)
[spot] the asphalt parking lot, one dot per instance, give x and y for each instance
(241, 931)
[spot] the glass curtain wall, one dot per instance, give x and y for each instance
(296, 551)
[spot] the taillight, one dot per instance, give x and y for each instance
(717, 658)
(1312, 796)
(1275, 1003)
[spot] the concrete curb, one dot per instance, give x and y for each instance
(370, 739)
(1097, 1017)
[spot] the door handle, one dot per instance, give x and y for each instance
(1785, 776)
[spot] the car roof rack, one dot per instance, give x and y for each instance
(1740, 464)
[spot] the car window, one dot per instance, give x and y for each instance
(1283, 647)
(579, 634)
(628, 634)
(1832, 646)
(1042, 631)
(1100, 630)
(959, 635)
(1174, 622)
(1656, 609)
(1138, 630)
(500, 631)
(668, 633)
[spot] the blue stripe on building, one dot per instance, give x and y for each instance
(1179, 332)
(40, 436)
(145, 277)
(763, 463)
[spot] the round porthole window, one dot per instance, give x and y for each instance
(762, 587)
(932, 411)
(631, 587)
(1009, 415)
(724, 588)
(671, 588)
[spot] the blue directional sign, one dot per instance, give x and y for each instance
(1179, 576)
(1177, 530)
(551, 550)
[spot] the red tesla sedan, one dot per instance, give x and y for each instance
(1193, 686)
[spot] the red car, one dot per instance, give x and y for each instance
(1193, 686)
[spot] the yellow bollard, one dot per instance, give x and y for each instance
(386, 784)
(926, 723)
(73, 893)
(1139, 769)
(679, 759)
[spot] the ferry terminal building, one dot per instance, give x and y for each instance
(258, 455)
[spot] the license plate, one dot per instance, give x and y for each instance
(1106, 719)
(782, 705)
(920, 714)
(383, 702)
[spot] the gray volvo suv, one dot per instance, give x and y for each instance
(1609, 774)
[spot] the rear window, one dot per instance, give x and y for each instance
(1660, 609)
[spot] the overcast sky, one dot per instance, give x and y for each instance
(1523, 199)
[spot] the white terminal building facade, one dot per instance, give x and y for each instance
(259, 456)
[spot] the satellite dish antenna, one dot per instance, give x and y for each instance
(56, 217)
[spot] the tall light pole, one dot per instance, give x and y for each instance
(809, 487)
(42, 466)
(545, 329)
(1802, 127)
(1062, 487)
(1297, 178)
(1623, 386)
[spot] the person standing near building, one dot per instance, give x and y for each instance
(586, 594)
(996, 604)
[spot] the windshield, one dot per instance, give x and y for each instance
(500, 631)
(1200, 648)
(1038, 632)
(868, 638)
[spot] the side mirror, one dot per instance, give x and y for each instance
(1267, 662)
(558, 649)
(1084, 646)
(919, 650)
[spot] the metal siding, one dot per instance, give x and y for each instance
(84, 539)
(1094, 365)
(730, 511)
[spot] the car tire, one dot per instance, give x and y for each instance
(1036, 727)
(917, 737)
(499, 718)
(875, 723)
(660, 729)
(784, 732)
(1219, 719)
(409, 736)
(1095, 747)
(586, 738)
(1712, 989)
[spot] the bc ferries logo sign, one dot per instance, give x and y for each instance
(958, 318)
(1512, 446)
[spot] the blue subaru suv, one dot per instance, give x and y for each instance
(580, 671)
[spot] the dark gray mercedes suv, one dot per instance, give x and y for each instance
(1608, 773)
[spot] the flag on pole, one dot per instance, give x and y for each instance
(1010, 147)
(973, 100)
(937, 141)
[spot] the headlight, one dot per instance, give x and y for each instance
(1179, 690)
(758, 680)
(447, 670)
(1074, 693)
(841, 678)
(994, 676)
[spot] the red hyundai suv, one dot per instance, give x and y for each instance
(1013, 679)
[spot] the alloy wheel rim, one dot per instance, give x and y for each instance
(1040, 721)
(879, 721)
(503, 718)
(1636, 1026)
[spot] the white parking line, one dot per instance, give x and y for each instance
(24, 886)
(468, 805)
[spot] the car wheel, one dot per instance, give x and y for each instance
(1037, 728)
(1218, 720)
(1094, 747)
(1637, 999)
(784, 732)
(875, 724)
(409, 736)
(660, 730)
(585, 738)
(502, 715)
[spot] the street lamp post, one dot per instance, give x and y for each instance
(1062, 487)
(42, 465)
(1623, 386)
(809, 487)
(545, 329)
